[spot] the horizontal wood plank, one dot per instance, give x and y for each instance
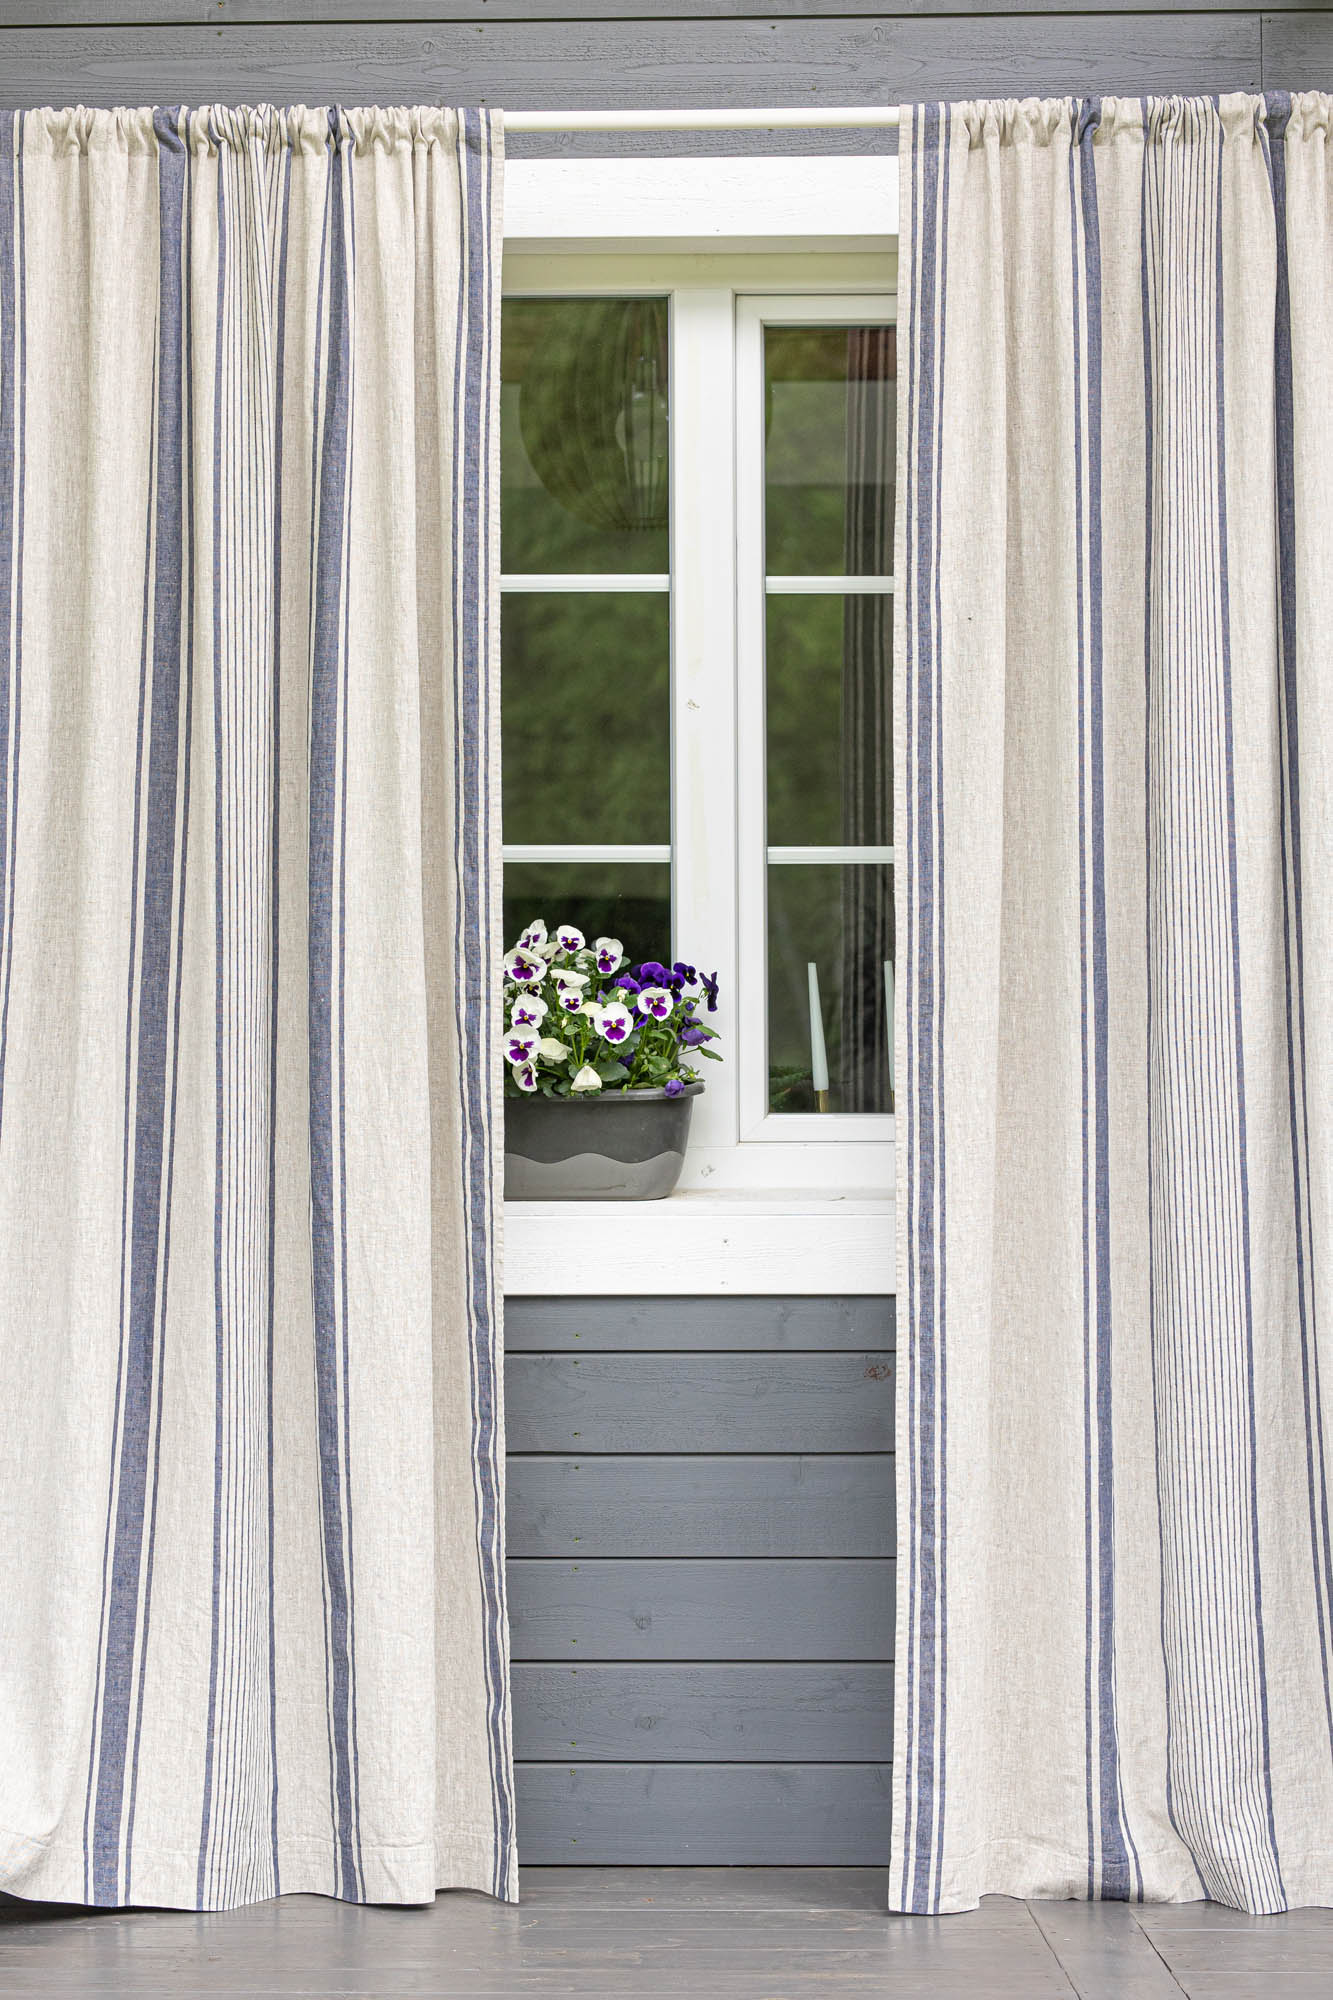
(713, 1610)
(653, 14)
(572, 1403)
(1298, 50)
(701, 1714)
(720, 1505)
(704, 1815)
(709, 61)
(619, 1325)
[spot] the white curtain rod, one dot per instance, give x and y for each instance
(811, 119)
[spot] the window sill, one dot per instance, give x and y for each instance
(719, 1241)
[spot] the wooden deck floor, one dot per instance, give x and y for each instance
(714, 1934)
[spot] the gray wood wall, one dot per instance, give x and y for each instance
(701, 1541)
(534, 53)
(700, 1511)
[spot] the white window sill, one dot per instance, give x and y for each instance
(721, 1241)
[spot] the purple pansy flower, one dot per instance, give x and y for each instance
(674, 1087)
(692, 1037)
(627, 983)
(708, 980)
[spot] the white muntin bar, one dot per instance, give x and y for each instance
(803, 119)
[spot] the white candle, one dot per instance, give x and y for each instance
(888, 1013)
(818, 1053)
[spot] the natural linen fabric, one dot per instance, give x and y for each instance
(1115, 1043)
(252, 1626)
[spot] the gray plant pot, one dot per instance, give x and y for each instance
(622, 1145)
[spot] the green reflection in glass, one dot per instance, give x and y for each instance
(630, 900)
(829, 721)
(584, 409)
(828, 465)
(585, 703)
(840, 919)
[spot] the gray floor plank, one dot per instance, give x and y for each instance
(1104, 1952)
(649, 1933)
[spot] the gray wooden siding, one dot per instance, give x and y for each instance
(691, 52)
(701, 1545)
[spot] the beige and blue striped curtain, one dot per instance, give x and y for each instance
(252, 1625)
(1114, 734)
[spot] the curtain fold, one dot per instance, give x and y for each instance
(1114, 786)
(252, 1619)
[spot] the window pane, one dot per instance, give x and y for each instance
(840, 919)
(829, 697)
(585, 702)
(829, 425)
(630, 900)
(583, 435)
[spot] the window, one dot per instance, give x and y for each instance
(697, 492)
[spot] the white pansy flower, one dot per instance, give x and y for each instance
(616, 1024)
(587, 1079)
(565, 976)
(524, 968)
(525, 1075)
(550, 1050)
(570, 1000)
(519, 1044)
(528, 1010)
(609, 955)
(551, 949)
(534, 937)
(656, 1001)
(569, 939)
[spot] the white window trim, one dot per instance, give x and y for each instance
(780, 1211)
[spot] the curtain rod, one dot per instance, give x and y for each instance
(811, 119)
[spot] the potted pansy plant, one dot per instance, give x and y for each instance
(598, 1062)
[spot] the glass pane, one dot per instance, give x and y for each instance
(830, 721)
(828, 468)
(585, 694)
(840, 920)
(583, 435)
(630, 900)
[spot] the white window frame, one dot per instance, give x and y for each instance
(766, 1204)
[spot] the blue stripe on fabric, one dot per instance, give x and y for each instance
(473, 589)
(1108, 1852)
(941, 1235)
(147, 1218)
(1277, 107)
(1264, 1772)
(220, 1469)
(327, 1191)
(275, 937)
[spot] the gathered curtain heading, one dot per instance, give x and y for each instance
(1114, 803)
(252, 1615)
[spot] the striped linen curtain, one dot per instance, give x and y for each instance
(1114, 729)
(252, 1625)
